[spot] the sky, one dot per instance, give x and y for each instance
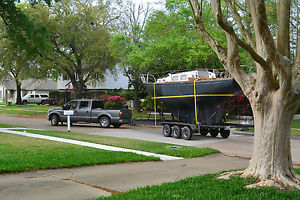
(154, 3)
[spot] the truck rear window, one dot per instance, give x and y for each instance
(97, 104)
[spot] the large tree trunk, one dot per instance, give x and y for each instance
(136, 100)
(79, 89)
(19, 98)
(271, 159)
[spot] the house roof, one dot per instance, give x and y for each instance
(33, 84)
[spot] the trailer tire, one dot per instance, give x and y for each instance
(167, 131)
(224, 133)
(203, 131)
(214, 132)
(176, 132)
(187, 133)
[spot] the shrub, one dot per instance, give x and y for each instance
(238, 105)
(114, 102)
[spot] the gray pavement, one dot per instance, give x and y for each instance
(95, 181)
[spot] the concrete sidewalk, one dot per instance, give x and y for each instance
(95, 181)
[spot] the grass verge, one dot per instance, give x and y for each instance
(207, 187)
(22, 112)
(153, 147)
(9, 126)
(19, 153)
(294, 132)
(27, 107)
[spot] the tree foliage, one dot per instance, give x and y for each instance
(79, 37)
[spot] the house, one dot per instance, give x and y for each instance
(8, 89)
(110, 82)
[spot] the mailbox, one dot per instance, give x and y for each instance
(68, 112)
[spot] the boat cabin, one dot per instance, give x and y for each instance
(187, 76)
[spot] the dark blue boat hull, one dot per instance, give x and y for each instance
(179, 99)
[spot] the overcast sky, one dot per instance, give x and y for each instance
(156, 4)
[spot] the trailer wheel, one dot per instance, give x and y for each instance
(224, 133)
(176, 132)
(187, 133)
(203, 131)
(214, 132)
(167, 130)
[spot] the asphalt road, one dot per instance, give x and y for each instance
(236, 145)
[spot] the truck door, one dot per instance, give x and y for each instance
(83, 111)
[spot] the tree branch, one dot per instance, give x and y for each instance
(278, 60)
(216, 7)
(60, 52)
(237, 18)
(216, 47)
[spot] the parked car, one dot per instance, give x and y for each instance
(35, 98)
(90, 111)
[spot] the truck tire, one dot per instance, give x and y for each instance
(54, 120)
(187, 133)
(104, 122)
(43, 102)
(214, 132)
(167, 130)
(224, 133)
(176, 132)
(203, 131)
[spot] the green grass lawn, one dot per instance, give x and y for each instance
(153, 147)
(22, 112)
(9, 126)
(296, 123)
(25, 109)
(19, 153)
(294, 131)
(207, 187)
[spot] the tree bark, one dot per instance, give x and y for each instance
(271, 160)
(136, 100)
(19, 98)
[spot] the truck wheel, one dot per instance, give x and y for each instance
(24, 102)
(43, 102)
(203, 131)
(176, 132)
(224, 133)
(54, 120)
(104, 122)
(187, 133)
(214, 132)
(167, 130)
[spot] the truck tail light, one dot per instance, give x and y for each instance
(120, 114)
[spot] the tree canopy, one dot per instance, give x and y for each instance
(79, 37)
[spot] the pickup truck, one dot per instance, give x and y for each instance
(90, 111)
